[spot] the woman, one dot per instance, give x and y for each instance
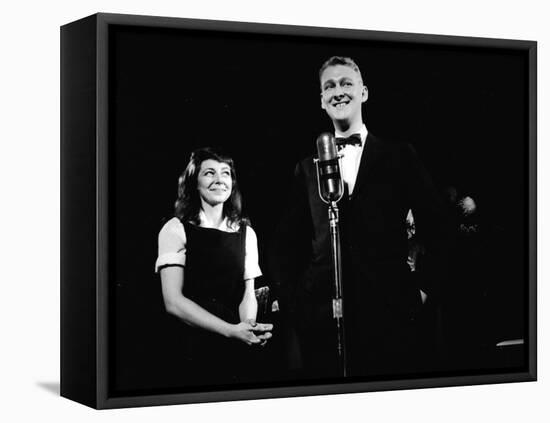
(208, 260)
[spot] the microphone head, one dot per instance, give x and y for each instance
(326, 147)
(328, 170)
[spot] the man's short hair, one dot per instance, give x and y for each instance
(340, 60)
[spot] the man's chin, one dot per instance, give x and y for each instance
(341, 118)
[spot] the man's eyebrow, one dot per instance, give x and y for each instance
(334, 80)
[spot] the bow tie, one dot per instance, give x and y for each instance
(354, 139)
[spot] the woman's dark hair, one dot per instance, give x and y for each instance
(188, 204)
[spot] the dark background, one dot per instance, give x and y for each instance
(257, 97)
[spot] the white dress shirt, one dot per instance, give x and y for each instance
(351, 158)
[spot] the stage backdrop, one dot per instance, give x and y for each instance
(258, 98)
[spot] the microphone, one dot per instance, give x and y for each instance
(329, 180)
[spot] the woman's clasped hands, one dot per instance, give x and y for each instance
(251, 332)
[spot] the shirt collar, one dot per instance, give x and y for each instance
(224, 226)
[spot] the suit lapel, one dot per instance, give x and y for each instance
(372, 152)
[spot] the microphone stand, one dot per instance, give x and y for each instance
(337, 301)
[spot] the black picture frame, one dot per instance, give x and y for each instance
(95, 132)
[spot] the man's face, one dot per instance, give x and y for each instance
(342, 93)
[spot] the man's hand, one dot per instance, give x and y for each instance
(423, 296)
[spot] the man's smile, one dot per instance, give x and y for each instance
(340, 104)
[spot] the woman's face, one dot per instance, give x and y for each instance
(214, 182)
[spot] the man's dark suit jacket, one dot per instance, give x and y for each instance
(380, 300)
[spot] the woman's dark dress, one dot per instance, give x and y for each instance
(213, 279)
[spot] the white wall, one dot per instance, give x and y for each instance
(29, 189)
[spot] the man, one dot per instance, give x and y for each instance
(383, 181)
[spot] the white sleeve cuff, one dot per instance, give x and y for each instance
(170, 259)
(251, 267)
(252, 271)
